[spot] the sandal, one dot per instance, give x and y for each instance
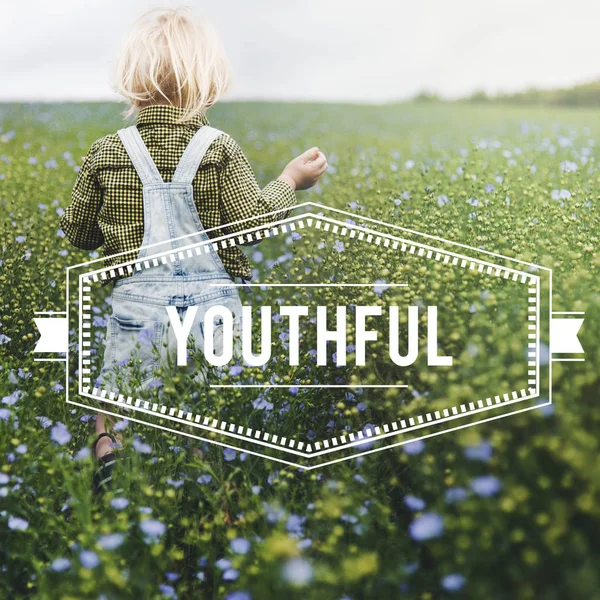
(103, 475)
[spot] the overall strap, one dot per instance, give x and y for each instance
(194, 153)
(139, 155)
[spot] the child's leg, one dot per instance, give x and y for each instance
(104, 445)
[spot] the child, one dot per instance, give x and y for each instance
(171, 69)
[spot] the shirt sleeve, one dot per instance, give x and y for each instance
(242, 198)
(80, 219)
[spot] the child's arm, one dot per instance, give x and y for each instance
(80, 219)
(242, 198)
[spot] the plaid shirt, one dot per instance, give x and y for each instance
(107, 205)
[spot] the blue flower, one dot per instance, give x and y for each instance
(45, 422)
(119, 503)
(298, 571)
(483, 452)
(60, 564)
(229, 454)
(546, 409)
(60, 434)
(13, 398)
(456, 494)
(262, 404)
(111, 541)
(486, 485)
(176, 483)
(414, 503)
(273, 513)
(560, 194)
(167, 590)
(568, 166)
(121, 425)
(141, 447)
(17, 524)
(489, 188)
(426, 527)
(380, 286)
(236, 370)
(223, 564)
(295, 523)
(243, 595)
(203, 479)
(544, 354)
(231, 574)
(453, 582)
(304, 544)
(338, 246)
(415, 447)
(24, 374)
(240, 545)
(82, 453)
(89, 559)
(153, 528)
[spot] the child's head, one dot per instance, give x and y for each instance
(172, 57)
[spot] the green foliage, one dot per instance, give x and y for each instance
(516, 498)
(582, 95)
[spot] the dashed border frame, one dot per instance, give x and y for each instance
(346, 230)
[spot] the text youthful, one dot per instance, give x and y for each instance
(294, 314)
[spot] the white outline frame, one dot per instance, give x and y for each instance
(488, 266)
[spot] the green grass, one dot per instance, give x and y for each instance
(343, 530)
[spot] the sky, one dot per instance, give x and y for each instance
(323, 50)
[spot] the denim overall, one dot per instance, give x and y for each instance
(139, 326)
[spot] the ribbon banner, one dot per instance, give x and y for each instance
(54, 335)
(563, 336)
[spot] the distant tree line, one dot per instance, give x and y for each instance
(586, 94)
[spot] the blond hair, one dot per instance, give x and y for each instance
(172, 57)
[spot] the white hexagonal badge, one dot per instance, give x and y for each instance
(357, 336)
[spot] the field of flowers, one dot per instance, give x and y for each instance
(507, 509)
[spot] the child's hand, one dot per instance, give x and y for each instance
(304, 171)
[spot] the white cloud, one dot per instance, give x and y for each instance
(317, 49)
